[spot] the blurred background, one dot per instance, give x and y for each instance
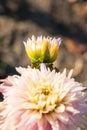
(20, 19)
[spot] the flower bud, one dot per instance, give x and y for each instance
(42, 49)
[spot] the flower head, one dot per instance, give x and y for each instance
(42, 100)
(42, 49)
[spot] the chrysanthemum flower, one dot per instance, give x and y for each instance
(42, 49)
(42, 100)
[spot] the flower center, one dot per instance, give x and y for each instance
(44, 97)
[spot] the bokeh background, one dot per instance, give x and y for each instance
(20, 19)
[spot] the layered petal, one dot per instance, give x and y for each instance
(42, 100)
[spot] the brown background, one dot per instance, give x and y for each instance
(20, 19)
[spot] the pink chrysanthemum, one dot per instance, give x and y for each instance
(42, 100)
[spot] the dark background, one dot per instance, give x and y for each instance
(20, 19)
